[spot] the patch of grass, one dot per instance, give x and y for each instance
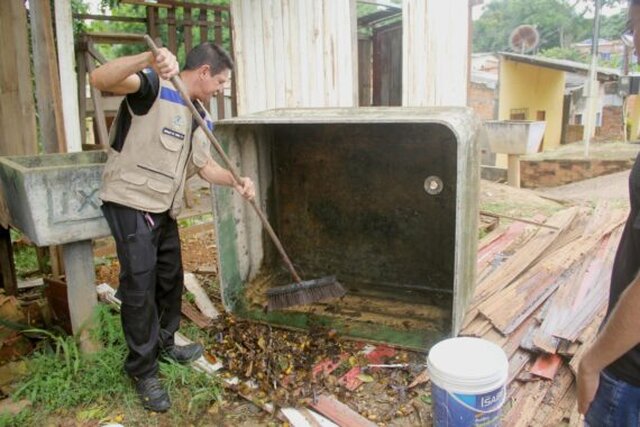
(23, 418)
(521, 210)
(197, 389)
(103, 260)
(426, 398)
(195, 333)
(26, 260)
(24, 256)
(92, 413)
(62, 377)
(482, 233)
(191, 298)
(195, 220)
(88, 389)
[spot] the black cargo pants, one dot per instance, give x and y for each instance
(151, 281)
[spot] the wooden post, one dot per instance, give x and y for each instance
(7, 267)
(171, 30)
(218, 40)
(234, 86)
(203, 25)
(46, 77)
(365, 54)
(17, 115)
(57, 262)
(17, 108)
(42, 254)
(47, 87)
(98, 115)
(152, 25)
(513, 170)
(68, 79)
(81, 63)
(81, 289)
(188, 37)
(204, 34)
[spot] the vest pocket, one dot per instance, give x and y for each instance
(171, 143)
(167, 159)
(134, 178)
(157, 171)
(159, 186)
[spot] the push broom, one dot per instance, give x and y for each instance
(300, 292)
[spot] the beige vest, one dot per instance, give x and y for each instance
(149, 173)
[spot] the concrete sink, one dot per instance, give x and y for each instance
(515, 136)
(53, 199)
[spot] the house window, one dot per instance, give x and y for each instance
(577, 119)
(518, 113)
(598, 119)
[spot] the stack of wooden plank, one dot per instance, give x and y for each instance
(541, 295)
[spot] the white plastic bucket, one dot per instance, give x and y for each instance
(468, 377)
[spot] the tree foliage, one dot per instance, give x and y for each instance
(116, 8)
(611, 27)
(557, 23)
(565, 53)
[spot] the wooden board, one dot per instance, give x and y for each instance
(48, 91)
(562, 384)
(68, 79)
(340, 413)
(305, 50)
(546, 366)
(433, 30)
(525, 403)
(17, 107)
(98, 115)
(593, 291)
(523, 258)
(7, 266)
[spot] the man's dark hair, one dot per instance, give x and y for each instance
(210, 54)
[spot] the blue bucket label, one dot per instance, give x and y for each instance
(467, 410)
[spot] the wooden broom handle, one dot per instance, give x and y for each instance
(177, 82)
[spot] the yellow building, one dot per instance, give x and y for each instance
(533, 88)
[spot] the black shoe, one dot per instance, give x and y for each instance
(153, 396)
(183, 353)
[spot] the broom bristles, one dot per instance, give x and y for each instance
(303, 293)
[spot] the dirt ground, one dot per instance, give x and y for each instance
(385, 399)
(612, 187)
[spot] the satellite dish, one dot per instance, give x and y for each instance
(524, 38)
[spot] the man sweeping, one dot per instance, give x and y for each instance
(155, 145)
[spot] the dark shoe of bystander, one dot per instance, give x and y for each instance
(183, 353)
(153, 396)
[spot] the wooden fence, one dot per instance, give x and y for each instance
(181, 26)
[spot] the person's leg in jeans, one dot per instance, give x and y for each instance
(616, 404)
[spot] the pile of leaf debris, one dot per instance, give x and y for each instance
(282, 367)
